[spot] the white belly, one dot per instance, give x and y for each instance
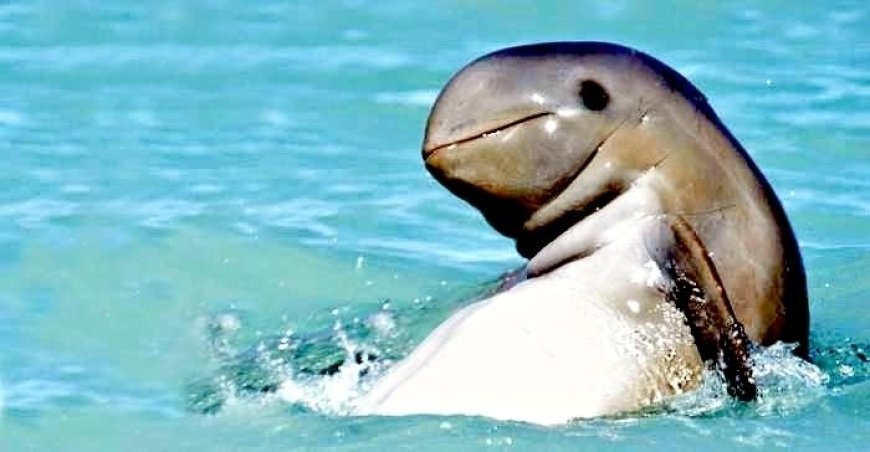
(590, 338)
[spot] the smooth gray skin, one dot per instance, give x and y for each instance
(511, 135)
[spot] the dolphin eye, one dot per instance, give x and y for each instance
(593, 95)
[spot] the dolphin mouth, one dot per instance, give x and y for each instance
(429, 151)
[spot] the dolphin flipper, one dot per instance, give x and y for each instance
(697, 290)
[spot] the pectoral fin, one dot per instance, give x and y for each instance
(697, 290)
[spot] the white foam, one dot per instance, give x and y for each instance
(785, 384)
(333, 394)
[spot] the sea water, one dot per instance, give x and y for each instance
(207, 207)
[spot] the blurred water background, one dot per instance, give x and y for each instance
(201, 201)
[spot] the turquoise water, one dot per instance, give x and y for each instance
(192, 190)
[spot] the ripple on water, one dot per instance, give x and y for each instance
(162, 213)
(38, 212)
(299, 123)
(305, 214)
(415, 98)
(187, 59)
(11, 118)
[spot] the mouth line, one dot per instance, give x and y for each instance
(433, 149)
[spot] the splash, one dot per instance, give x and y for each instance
(323, 371)
(846, 361)
(334, 394)
(317, 368)
(326, 371)
(786, 384)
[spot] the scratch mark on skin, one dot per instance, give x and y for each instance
(705, 212)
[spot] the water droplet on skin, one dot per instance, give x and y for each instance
(567, 112)
(551, 125)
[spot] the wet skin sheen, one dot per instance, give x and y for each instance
(655, 245)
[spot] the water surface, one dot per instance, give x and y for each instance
(186, 182)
